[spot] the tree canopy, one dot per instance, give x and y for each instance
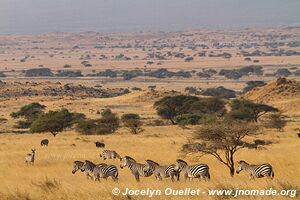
(247, 110)
(133, 122)
(54, 121)
(223, 139)
(188, 107)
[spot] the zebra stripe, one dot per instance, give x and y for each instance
(77, 166)
(256, 171)
(192, 171)
(104, 171)
(109, 154)
(162, 171)
(137, 169)
(88, 168)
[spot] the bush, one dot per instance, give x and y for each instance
(283, 72)
(108, 123)
(30, 112)
(253, 84)
(133, 122)
(157, 122)
(67, 66)
(276, 121)
(220, 92)
(107, 73)
(38, 72)
(2, 74)
(69, 73)
(86, 127)
(187, 119)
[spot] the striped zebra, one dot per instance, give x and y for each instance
(30, 157)
(162, 171)
(77, 166)
(88, 168)
(109, 154)
(192, 171)
(256, 171)
(104, 171)
(137, 169)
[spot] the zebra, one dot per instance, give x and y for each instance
(30, 157)
(104, 171)
(109, 154)
(44, 142)
(162, 171)
(256, 171)
(88, 168)
(77, 166)
(192, 171)
(137, 169)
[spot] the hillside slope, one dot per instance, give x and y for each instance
(282, 93)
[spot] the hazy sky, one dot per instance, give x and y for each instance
(40, 16)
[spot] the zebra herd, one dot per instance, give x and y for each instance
(173, 171)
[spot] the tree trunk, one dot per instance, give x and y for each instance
(231, 171)
(172, 121)
(231, 163)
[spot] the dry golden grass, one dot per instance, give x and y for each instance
(51, 177)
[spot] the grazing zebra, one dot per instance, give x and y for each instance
(162, 171)
(44, 142)
(99, 144)
(77, 166)
(109, 154)
(88, 168)
(103, 171)
(30, 157)
(192, 171)
(137, 169)
(256, 171)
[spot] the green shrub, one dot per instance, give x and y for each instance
(133, 122)
(187, 119)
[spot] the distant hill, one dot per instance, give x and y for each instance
(282, 93)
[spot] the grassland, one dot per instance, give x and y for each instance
(51, 177)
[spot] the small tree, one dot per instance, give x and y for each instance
(86, 127)
(169, 107)
(248, 110)
(53, 122)
(223, 139)
(109, 122)
(275, 120)
(133, 122)
(30, 112)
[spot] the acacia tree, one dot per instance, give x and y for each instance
(55, 121)
(29, 112)
(133, 122)
(183, 109)
(248, 110)
(223, 139)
